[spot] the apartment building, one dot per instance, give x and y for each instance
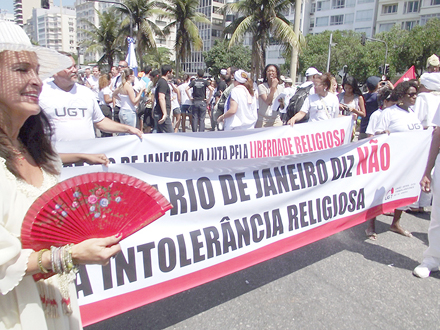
(208, 33)
(406, 14)
(23, 9)
(53, 28)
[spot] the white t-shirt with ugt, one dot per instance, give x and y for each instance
(72, 114)
(395, 119)
(321, 108)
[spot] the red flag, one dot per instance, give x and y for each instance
(410, 74)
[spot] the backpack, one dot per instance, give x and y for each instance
(297, 101)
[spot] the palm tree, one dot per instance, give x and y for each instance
(184, 16)
(158, 57)
(105, 38)
(264, 20)
(145, 29)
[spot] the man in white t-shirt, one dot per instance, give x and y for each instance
(311, 75)
(185, 102)
(73, 109)
(92, 81)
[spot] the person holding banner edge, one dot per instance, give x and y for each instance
(400, 118)
(28, 167)
(431, 257)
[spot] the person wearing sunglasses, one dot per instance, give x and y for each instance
(400, 117)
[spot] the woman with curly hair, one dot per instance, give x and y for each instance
(268, 92)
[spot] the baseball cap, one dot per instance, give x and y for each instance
(312, 71)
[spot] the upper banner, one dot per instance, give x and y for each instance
(196, 147)
(232, 214)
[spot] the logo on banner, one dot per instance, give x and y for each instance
(389, 194)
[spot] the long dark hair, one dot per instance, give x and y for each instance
(353, 83)
(35, 135)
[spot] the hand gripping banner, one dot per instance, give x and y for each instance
(232, 214)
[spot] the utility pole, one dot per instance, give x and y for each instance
(294, 59)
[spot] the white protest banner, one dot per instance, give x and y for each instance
(190, 147)
(229, 215)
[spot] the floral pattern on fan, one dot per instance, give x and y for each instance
(98, 200)
(91, 205)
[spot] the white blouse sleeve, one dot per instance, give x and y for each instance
(13, 260)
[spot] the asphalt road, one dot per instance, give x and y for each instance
(345, 281)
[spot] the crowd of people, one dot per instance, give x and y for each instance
(43, 99)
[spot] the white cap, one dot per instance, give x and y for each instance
(223, 72)
(312, 71)
(288, 80)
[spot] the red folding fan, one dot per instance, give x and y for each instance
(93, 205)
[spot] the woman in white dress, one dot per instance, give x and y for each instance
(28, 167)
(241, 105)
(322, 105)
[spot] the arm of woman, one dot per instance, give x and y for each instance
(298, 116)
(425, 183)
(233, 107)
(361, 111)
(92, 159)
(108, 99)
(91, 251)
(130, 91)
(268, 98)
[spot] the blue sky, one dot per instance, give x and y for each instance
(9, 4)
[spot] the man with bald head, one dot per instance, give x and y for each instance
(73, 109)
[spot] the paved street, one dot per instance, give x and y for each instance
(345, 281)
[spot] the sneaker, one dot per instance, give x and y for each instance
(423, 270)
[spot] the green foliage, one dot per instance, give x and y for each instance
(362, 61)
(158, 57)
(184, 15)
(264, 20)
(144, 29)
(405, 48)
(220, 57)
(105, 38)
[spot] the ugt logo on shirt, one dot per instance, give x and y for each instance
(70, 112)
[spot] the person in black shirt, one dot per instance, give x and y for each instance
(199, 100)
(162, 95)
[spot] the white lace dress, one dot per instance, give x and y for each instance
(20, 303)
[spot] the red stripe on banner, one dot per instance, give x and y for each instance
(104, 309)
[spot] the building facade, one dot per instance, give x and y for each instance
(406, 14)
(208, 32)
(23, 10)
(53, 28)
